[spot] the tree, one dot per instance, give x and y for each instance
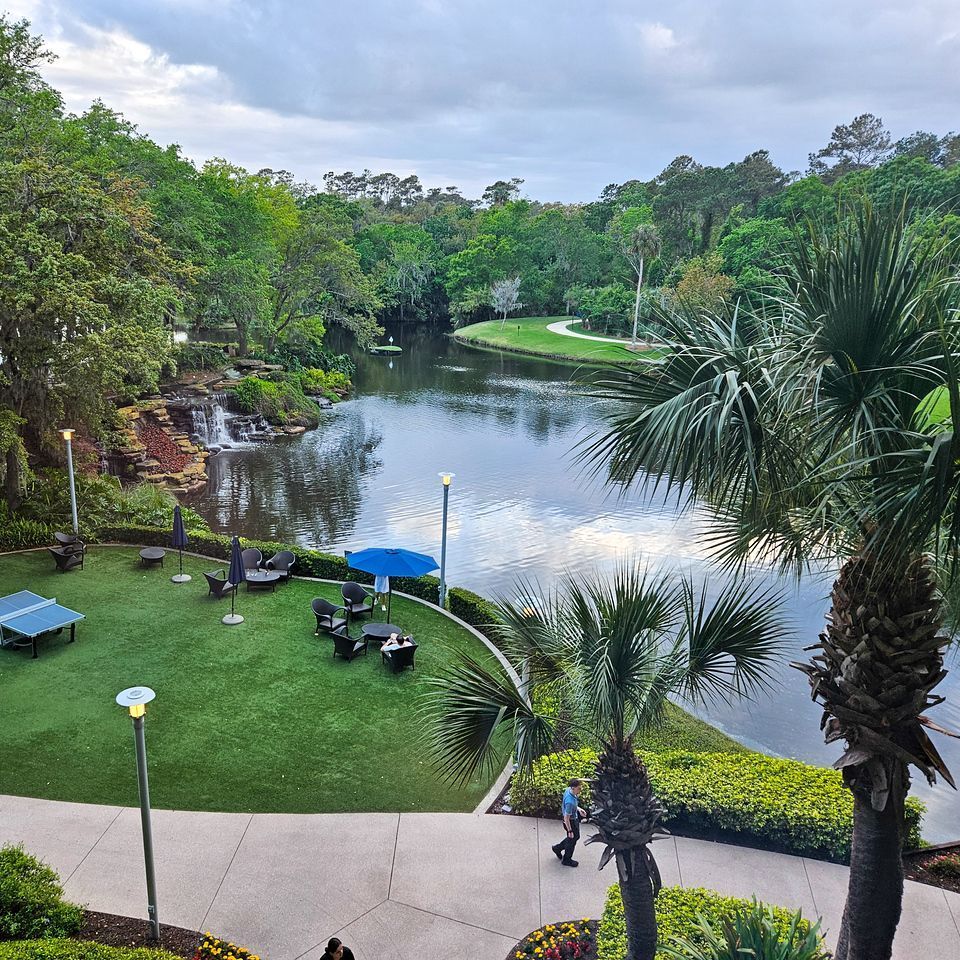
(862, 143)
(639, 241)
(501, 192)
(505, 297)
(612, 649)
(806, 431)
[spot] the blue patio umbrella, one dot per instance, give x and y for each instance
(178, 541)
(392, 562)
(236, 576)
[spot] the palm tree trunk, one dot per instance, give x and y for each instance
(636, 306)
(636, 890)
(875, 891)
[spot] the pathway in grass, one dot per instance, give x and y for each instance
(530, 335)
(256, 717)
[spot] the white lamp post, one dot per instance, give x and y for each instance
(136, 699)
(68, 436)
(446, 478)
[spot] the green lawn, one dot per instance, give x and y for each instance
(256, 717)
(530, 335)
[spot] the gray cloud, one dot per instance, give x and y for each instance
(569, 95)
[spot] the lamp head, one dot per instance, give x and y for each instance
(67, 433)
(446, 478)
(136, 699)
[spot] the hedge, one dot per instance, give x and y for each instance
(76, 950)
(784, 804)
(677, 912)
(31, 899)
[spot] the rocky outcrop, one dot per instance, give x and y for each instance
(156, 450)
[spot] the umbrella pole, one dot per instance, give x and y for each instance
(181, 561)
(389, 598)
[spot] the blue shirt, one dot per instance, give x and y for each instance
(570, 805)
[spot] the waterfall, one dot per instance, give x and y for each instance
(210, 425)
(214, 427)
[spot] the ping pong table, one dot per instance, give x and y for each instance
(25, 616)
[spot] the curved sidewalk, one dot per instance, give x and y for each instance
(411, 886)
(563, 327)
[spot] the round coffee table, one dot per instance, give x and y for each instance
(150, 555)
(262, 579)
(380, 632)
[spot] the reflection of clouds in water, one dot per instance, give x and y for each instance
(519, 507)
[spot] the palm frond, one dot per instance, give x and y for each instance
(465, 707)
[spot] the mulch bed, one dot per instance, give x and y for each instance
(914, 867)
(161, 448)
(116, 931)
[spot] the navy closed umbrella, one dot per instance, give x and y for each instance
(236, 575)
(392, 562)
(179, 541)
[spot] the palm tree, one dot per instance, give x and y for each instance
(806, 428)
(643, 243)
(612, 649)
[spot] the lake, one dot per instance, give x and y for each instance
(520, 507)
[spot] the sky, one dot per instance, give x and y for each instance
(568, 94)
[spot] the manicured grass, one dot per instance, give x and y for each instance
(682, 731)
(530, 335)
(256, 717)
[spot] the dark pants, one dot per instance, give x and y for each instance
(566, 846)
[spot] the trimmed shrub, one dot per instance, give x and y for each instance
(678, 911)
(471, 607)
(784, 804)
(76, 950)
(31, 899)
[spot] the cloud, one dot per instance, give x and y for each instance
(568, 96)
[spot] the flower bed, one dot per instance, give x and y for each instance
(558, 941)
(213, 948)
(781, 804)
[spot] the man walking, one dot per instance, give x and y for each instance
(572, 812)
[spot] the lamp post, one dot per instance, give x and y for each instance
(136, 699)
(446, 478)
(68, 436)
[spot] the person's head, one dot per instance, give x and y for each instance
(576, 785)
(334, 948)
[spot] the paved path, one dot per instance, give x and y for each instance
(563, 327)
(401, 886)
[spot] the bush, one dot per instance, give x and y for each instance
(471, 608)
(279, 401)
(333, 385)
(200, 355)
(31, 899)
(19, 534)
(76, 950)
(784, 804)
(947, 865)
(678, 913)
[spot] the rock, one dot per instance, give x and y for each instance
(226, 446)
(213, 448)
(294, 431)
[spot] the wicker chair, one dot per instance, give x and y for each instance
(65, 539)
(399, 658)
(346, 647)
(252, 559)
(219, 585)
(325, 612)
(282, 563)
(357, 600)
(68, 558)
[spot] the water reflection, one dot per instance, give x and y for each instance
(519, 506)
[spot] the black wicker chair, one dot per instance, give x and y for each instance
(68, 558)
(66, 539)
(282, 563)
(219, 585)
(400, 658)
(345, 646)
(357, 600)
(325, 612)
(252, 559)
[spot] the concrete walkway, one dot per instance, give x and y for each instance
(402, 886)
(563, 327)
